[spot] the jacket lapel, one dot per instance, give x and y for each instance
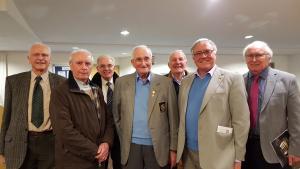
(153, 93)
(24, 94)
(270, 85)
(185, 89)
(214, 83)
(131, 93)
(51, 81)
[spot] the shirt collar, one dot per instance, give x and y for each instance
(263, 74)
(138, 78)
(210, 72)
(105, 81)
(83, 86)
(44, 76)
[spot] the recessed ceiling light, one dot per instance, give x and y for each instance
(248, 37)
(125, 32)
(124, 53)
(75, 48)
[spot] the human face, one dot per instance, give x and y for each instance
(142, 62)
(204, 57)
(257, 60)
(39, 58)
(81, 65)
(177, 63)
(106, 68)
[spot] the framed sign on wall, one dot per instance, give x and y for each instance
(61, 70)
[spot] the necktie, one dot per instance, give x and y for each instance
(109, 97)
(253, 100)
(37, 115)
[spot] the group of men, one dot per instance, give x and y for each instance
(209, 119)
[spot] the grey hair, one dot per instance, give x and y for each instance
(40, 44)
(142, 47)
(261, 45)
(177, 51)
(204, 40)
(106, 56)
(77, 51)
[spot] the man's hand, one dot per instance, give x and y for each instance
(237, 165)
(102, 153)
(172, 159)
(294, 160)
(2, 159)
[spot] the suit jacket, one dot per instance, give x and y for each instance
(97, 79)
(224, 104)
(14, 130)
(162, 120)
(280, 110)
(176, 85)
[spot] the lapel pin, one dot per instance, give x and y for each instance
(153, 93)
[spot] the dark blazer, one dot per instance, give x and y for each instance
(14, 130)
(176, 85)
(97, 79)
(79, 126)
(280, 110)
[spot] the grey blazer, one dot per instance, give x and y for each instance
(162, 121)
(14, 130)
(224, 104)
(280, 111)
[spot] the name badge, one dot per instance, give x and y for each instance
(224, 130)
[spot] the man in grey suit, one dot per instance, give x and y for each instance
(146, 116)
(214, 115)
(274, 103)
(26, 139)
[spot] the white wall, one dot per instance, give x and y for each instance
(2, 76)
(294, 66)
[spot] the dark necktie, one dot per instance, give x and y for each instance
(253, 100)
(109, 97)
(37, 115)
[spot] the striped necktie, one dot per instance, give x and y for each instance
(109, 97)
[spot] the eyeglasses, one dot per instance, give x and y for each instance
(141, 59)
(203, 53)
(109, 66)
(255, 55)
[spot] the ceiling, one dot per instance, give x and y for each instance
(164, 25)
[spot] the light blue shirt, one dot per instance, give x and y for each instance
(140, 131)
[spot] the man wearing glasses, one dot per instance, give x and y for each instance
(274, 103)
(105, 79)
(214, 115)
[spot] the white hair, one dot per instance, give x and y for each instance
(261, 45)
(41, 44)
(204, 40)
(79, 51)
(106, 56)
(142, 47)
(177, 51)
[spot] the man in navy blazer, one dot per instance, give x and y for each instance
(275, 108)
